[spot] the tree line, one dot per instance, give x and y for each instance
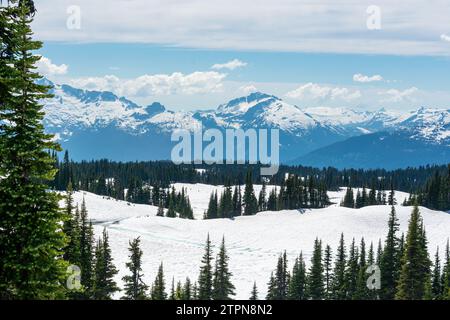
(90, 175)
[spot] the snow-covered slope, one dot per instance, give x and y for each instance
(253, 242)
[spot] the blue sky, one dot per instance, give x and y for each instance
(190, 56)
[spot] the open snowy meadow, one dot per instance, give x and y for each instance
(253, 242)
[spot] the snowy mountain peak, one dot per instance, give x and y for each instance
(243, 104)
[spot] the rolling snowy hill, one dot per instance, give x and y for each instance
(253, 242)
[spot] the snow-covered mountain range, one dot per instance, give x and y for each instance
(94, 124)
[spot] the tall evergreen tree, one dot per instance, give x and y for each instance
(159, 286)
(250, 202)
(352, 271)
(413, 275)
(86, 251)
(328, 276)
(71, 228)
(339, 286)
(223, 289)
(315, 275)
(104, 284)
(31, 240)
(388, 264)
(254, 293)
(205, 277)
(297, 284)
(437, 289)
(135, 288)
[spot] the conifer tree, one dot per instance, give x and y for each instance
(328, 276)
(362, 292)
(160, 212)
(436, 288)
(171, 211)
(104, 284)
(446, 274)
(339, 285)
(281, 278)
(135, 288)
(205, 277)
(271, 288)
(413, 275)
(349, 199)
(31, 239)
(86, 251)
(223, 289)
(388, 264)
(187, 290)
(315, 275)
(249, 201)
(298, 280)
(254, 293)
(262, 204)
(71, 228)
(159, 286)
(352, 271)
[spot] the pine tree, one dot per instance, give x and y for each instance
(349, 199)
(104, 284)
(271, 288)
(436, 288)
(297, 284)
(135, 288)
(315, 275)
(254, 293)
(86, 251)
(250, 202)
(31, 240)
(281, 278)
(159, 286)
(187, 290)
(339, 285)
(414, 275)
(262, 204)
(391, 198)
(213, 207)
(352, 271)
(327, 261)
(160, 212)
(205, 277)
(388, 264)
(71, 228)
(171, 211)
(223, 289)
(362, 292)
(446, 274)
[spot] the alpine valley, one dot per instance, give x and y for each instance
(94, 125)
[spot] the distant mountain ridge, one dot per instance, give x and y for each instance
(94, 124)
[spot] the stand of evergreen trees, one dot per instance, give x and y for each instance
(294, 193)
(436, 193)
(406, 272)
(89, 175)
(369, 198)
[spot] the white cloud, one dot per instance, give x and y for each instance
(247, 89)
(408, 27)
(395, 95)
(445, 37)
(46, 67)
(363, 78)
(314, 91)
(230, 65)
(158, 84)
